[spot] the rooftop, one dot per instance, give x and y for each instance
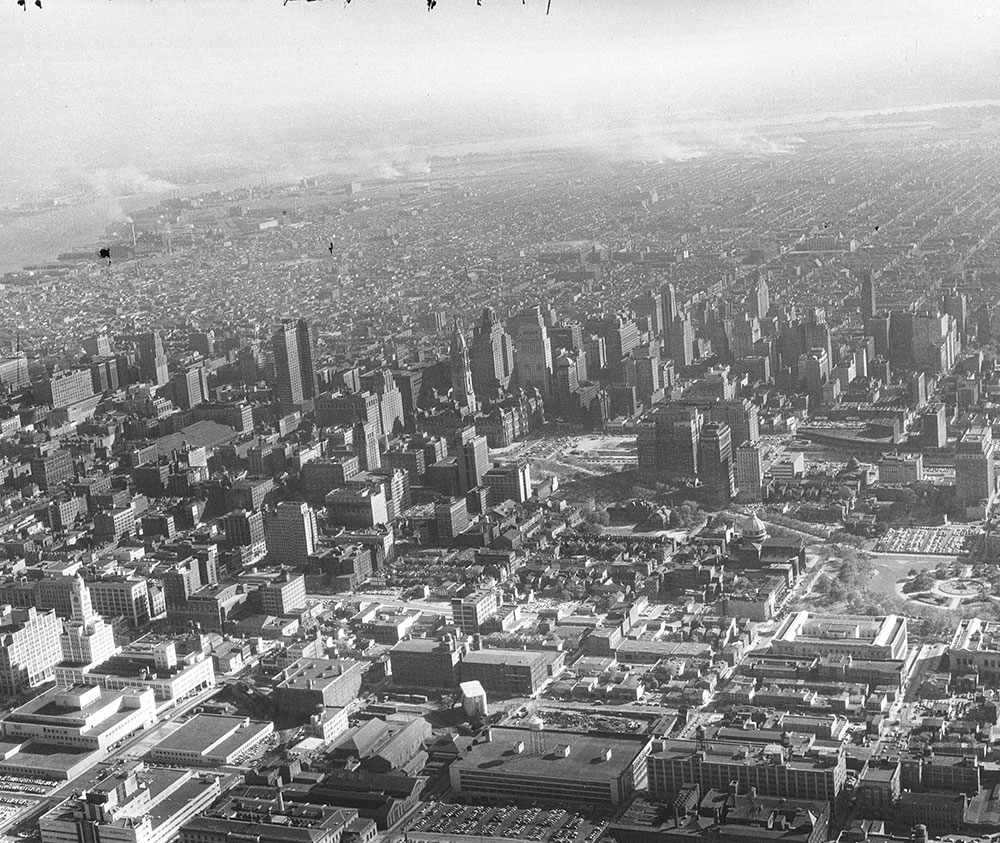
(308, 673)
(722, 752)
(204, 733)
(977, 635)
(573, 755)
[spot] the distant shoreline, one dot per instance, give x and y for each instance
(38, 238)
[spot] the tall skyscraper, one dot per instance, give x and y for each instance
(287, 367)
(381, 383)
(680, 338)
(900, 339)
(152, 358)
(291, 533)
(649, 309)
(742, 416)
(868, 303)
(934, 426)
(473, 463)
(760, 299)
(86, 639)
(935, 341)
(743, 335)
(14, 372)
(462, 389)
(715, 463)
(814, 371)
(294, 347)
(621, 335)
(975, 475)
(365, 436)
(984, 324)
(668, 301)
(306, 340)
(492, 354)
(533, 358)
(190, 387)
(29, 648)
(566, 379)
(566, 337)
(668, 441)
(749, 471)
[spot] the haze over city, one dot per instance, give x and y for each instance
(456, 422)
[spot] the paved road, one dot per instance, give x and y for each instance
(927, 659)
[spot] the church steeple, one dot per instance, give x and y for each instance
(461, 372)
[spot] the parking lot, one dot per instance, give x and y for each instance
(10, 805)
(436, 820)
(931, 541)
(25, 784)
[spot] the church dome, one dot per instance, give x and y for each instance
(754, 529)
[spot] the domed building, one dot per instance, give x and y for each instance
(754, 530)
(756, 550)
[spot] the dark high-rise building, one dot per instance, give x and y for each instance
(668, 301)
(648, 371)
(975, 474)
(917, 389)
(567, 337)
(190, 387)
(680, 338)
(244, 528)
(533, 350)
(868, 303)
(668, 441)
(621, 336)
(287, 368)
(900, 339)
(294, 349)
(984, 324)
(741, 415)
(760, 299)
(934, 426)
(566, 380)
(877, 328)
(306, 339)
(104, 375)
(649, 310)
(749, 470)
(365, 435)
(14, 372)
(203, 342)
(715, 463)
(409, 382)
(956, 305)
(462, 389)
(473, 463)
(492, 354)
(152, 358)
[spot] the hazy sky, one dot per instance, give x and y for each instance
(100, 84)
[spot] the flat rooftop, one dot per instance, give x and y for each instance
(721, 752)
(806, 626)
(567, 755)
(45, 757)
(48, 704)
(204, 732)
(526, 658)
(308, 674)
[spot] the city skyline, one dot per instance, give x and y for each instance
(485, 421)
